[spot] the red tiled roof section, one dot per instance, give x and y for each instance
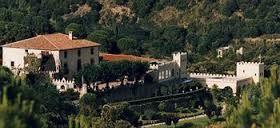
(52, 42)
(119, 57)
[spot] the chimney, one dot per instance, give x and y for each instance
(70, 35)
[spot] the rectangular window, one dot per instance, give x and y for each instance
(79, 65)
(65, 68)
(65, 65)
(12, 63)
(65, 54)
(159, 76)
(92, 51)
(91, 61)
(79, 52)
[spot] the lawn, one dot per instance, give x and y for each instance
(200, 122)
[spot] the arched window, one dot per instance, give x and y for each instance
(62, 87)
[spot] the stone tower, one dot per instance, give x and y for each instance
(250, 69)
(180, 58)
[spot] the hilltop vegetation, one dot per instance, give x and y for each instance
(142, 27)
(156, 27)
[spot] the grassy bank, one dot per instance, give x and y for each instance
(199, 122)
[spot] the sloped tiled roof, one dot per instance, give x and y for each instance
(51, 42)
(119, 57)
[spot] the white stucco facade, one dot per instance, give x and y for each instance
(250, 69)
(13, 58)
(246, 73)
(168, 70)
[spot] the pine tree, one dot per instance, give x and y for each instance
(263, 111)
(17, 114)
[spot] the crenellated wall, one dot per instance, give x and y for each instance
(246, 74)
(208, 75)
(63, 85)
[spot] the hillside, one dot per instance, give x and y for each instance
(152, 27)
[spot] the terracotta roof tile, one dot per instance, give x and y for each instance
(52, 42)
(119, 57)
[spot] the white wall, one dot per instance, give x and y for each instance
(17, 56)
(222, 83)
(165, 72)
(250, 69)
(180, 58)
(233, 83)
(168, 70)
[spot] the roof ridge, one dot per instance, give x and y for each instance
(50, 42)
(22, 40)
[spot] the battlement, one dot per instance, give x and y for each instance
(63, 84)
(63, 80)
(154, 66)
(157, 65)
(208, 75)
(248, 63)
(179, 53)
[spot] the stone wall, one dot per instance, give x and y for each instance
(72, 59)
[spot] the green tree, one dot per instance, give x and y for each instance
(127, 114)
(91, 74)
(109, 116)
(228, 7)
(120, 2)
(6, 76)
(129, 46)
(88, 105)
(139, 69)
(17, 114)
(143, 7)
(107, 75)
(257, 110)
(33, 63)
(122, 124)
(77, 29)
(162, 106)
(103, 37)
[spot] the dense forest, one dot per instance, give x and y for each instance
(151, 27)
(154, 28)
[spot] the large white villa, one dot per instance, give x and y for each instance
(72, 54)
(68, 52)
